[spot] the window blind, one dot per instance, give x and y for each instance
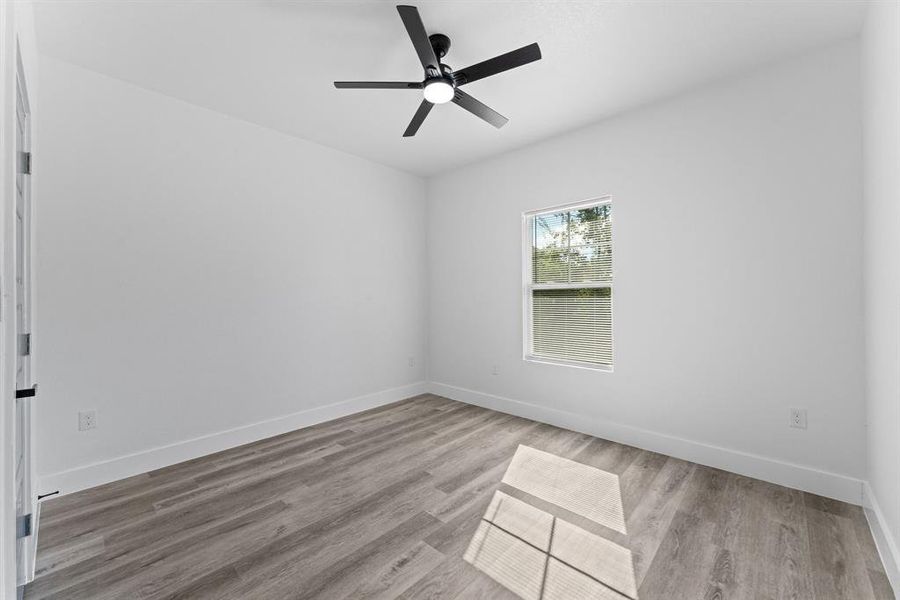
(570, 288)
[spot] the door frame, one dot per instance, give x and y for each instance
(26, 547)
(18, 49)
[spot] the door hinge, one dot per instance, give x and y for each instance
(25, 163)
(23, 526)
(24, 344)
(27, 392)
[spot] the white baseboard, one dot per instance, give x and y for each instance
(121, 467)
(884, 539)
(831, 485)
(808, 479)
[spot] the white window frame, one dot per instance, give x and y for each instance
(528, 286)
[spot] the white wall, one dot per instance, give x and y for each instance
(199, 274)
(738, 293)
(881, 153)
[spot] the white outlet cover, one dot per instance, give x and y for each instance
(87, 420)
(798, 418)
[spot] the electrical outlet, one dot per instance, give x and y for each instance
(494, 370)
(798, 418)
(412, 362)
(87, 420)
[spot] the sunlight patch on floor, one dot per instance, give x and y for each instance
(514, 564)
(584, 490)
(596, 556)
(565, 583)
(529, 524)
(540, 556)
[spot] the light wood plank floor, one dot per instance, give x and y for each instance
(422, 499)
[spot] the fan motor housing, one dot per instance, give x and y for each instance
(440, 43)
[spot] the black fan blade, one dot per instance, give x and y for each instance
(417, 119)
(378, 85)
(416, 31)
(478, 109)
(498, 64)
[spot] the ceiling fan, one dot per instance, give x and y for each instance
(441, 84)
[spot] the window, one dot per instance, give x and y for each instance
(568, 285)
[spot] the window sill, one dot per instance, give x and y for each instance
(568, 363)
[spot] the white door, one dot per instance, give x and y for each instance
(24, 388)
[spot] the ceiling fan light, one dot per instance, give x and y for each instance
(438, 92)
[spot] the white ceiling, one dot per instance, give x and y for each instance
(273, 62)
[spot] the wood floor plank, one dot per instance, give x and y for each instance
(866, 541)
(398, 575)
(118, 575)
(489, 451)
(62, 556)
(385, 504)
(176, 571)
(836, 558)
(637, 477)
(762, 528)
(881, 585)
(210, 488)
(340, 577)
(475, 491)
(828, 505)
(54, 509)
(272, 570)
(649, 522)
(685, 563)
(485, 588)
(211, 586)
(784, 529)
(447, 580)
(608, 456)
